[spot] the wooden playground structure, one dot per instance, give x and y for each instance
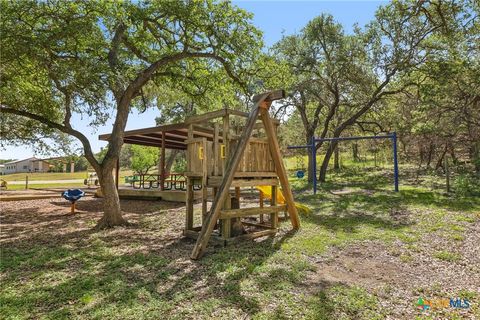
(226, 150)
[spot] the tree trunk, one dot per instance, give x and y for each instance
(112, 214)
(355, 152)
(171, 159)
(328, 155)
(336, 158)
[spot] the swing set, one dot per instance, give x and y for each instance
(312, 147)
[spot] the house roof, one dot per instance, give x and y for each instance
(15, 161)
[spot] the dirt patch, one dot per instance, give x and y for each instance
(399, 276)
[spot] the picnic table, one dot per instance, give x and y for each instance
(172, 181)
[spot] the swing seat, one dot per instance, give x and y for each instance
(300, 174)
(72, 195)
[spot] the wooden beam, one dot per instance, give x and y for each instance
(280, 167)
(206, 116)
(231, 167)
(162, 163)
(216, 148)
(189, 198)
(271, 96)
(246, 212)
(253, 235)
(149, 144)
(217, 181)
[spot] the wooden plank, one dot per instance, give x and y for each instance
(247, 174)
(231, 167)
(194, 140)
(237, 113)
(245, 212)
(206, 116)
(217, 181)
(156, 129)
(271, 96)
(254, 224)
(162, 163)
(253, 235)
(148, 142)
(280, 168)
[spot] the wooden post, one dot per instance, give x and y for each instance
(162, 163)
(261, 206)
(189, 205)
(226, 223)
(26, 182)
(204, 201)
(226, 128)
(447, 173)
(216, 149)
(280, 167)
(72, 208)
(237, 193)
(273, 202)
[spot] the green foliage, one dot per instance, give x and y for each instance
(143, 158)
(180, 165)
(466, 185)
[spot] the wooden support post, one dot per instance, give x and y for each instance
(226, 128)
(162, 163)
(72, 208)
(237, 193)
(26, 182)
(273, 202)
(226, 223)
(189, 205)
(279, 166)
(229, 173)
(261, 205)
(204, 201)
(216, 149)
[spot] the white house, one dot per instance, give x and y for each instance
(26, 165)
(35, 165)
(2, 169)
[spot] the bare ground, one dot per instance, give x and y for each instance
(395, 273)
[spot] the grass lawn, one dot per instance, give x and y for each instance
(12, 187)
(365, 252)
(53, 176)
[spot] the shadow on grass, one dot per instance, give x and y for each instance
(93, 279)
(63, 271)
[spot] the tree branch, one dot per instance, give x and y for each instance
(66, 129)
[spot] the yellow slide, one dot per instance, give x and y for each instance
(267, 193)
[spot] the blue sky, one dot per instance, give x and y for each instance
(274, 18)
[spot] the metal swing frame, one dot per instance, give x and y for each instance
(313, 149)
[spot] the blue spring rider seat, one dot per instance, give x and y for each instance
(73, 195)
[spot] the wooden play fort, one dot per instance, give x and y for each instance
(225, 150)
(248, 159)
